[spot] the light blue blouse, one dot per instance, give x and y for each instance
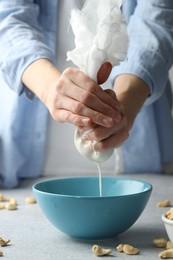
(28, 32)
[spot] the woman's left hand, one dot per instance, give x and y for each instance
(108, 138)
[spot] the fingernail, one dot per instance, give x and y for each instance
(107, 121)
(85, 121)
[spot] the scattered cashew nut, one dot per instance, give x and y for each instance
(2, 198)
(166, 254)
(120, 247)
(169, 214)
(164, 203)
(10, 206)
(127, 249)
(4, 242)
(99, 251)
(169, 245)
(13, 201)
(160, 242)
(30, 200)
(2, 206)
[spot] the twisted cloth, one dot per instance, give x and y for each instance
(100, 35)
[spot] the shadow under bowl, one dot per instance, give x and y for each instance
(74, 207)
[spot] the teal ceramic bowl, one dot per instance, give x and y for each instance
(73, 205)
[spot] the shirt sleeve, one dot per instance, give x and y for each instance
(22, 41)
(150, 52)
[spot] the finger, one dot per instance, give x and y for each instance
(78, 108)
(111, 93)
(100, 133)
(89, 85)
(85, 99)
(113, 141)
(67, 116)
(86, 128)
(104, 72)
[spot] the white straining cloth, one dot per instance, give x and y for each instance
(100, 35)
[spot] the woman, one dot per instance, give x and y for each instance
(28, 32)
(28, 54)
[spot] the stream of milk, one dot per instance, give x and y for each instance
(100, 179)
(86, 147)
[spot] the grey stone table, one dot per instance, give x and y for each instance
(34, 238)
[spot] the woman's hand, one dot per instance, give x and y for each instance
(131, 92)
(77, 99)
(111, 137)
(72, 96)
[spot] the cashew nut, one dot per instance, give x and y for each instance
(169, 245)
(169, 214)
(30, 200)
(1, 253)
(10, 206)
(4, 242)
(99, 251)
(160, 242)
(2, 206)
(166, 253)
(164, 203)
(13, 201)
(120, 247)
(2, 198)
(127, 249)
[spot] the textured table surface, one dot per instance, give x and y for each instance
(33, 237)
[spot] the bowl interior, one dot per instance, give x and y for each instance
(89, 186)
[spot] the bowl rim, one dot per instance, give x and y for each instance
(149, 188)
(166, 220)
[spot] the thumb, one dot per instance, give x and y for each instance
(104, 72)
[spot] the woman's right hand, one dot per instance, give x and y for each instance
(77, 99)
(71, 96)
